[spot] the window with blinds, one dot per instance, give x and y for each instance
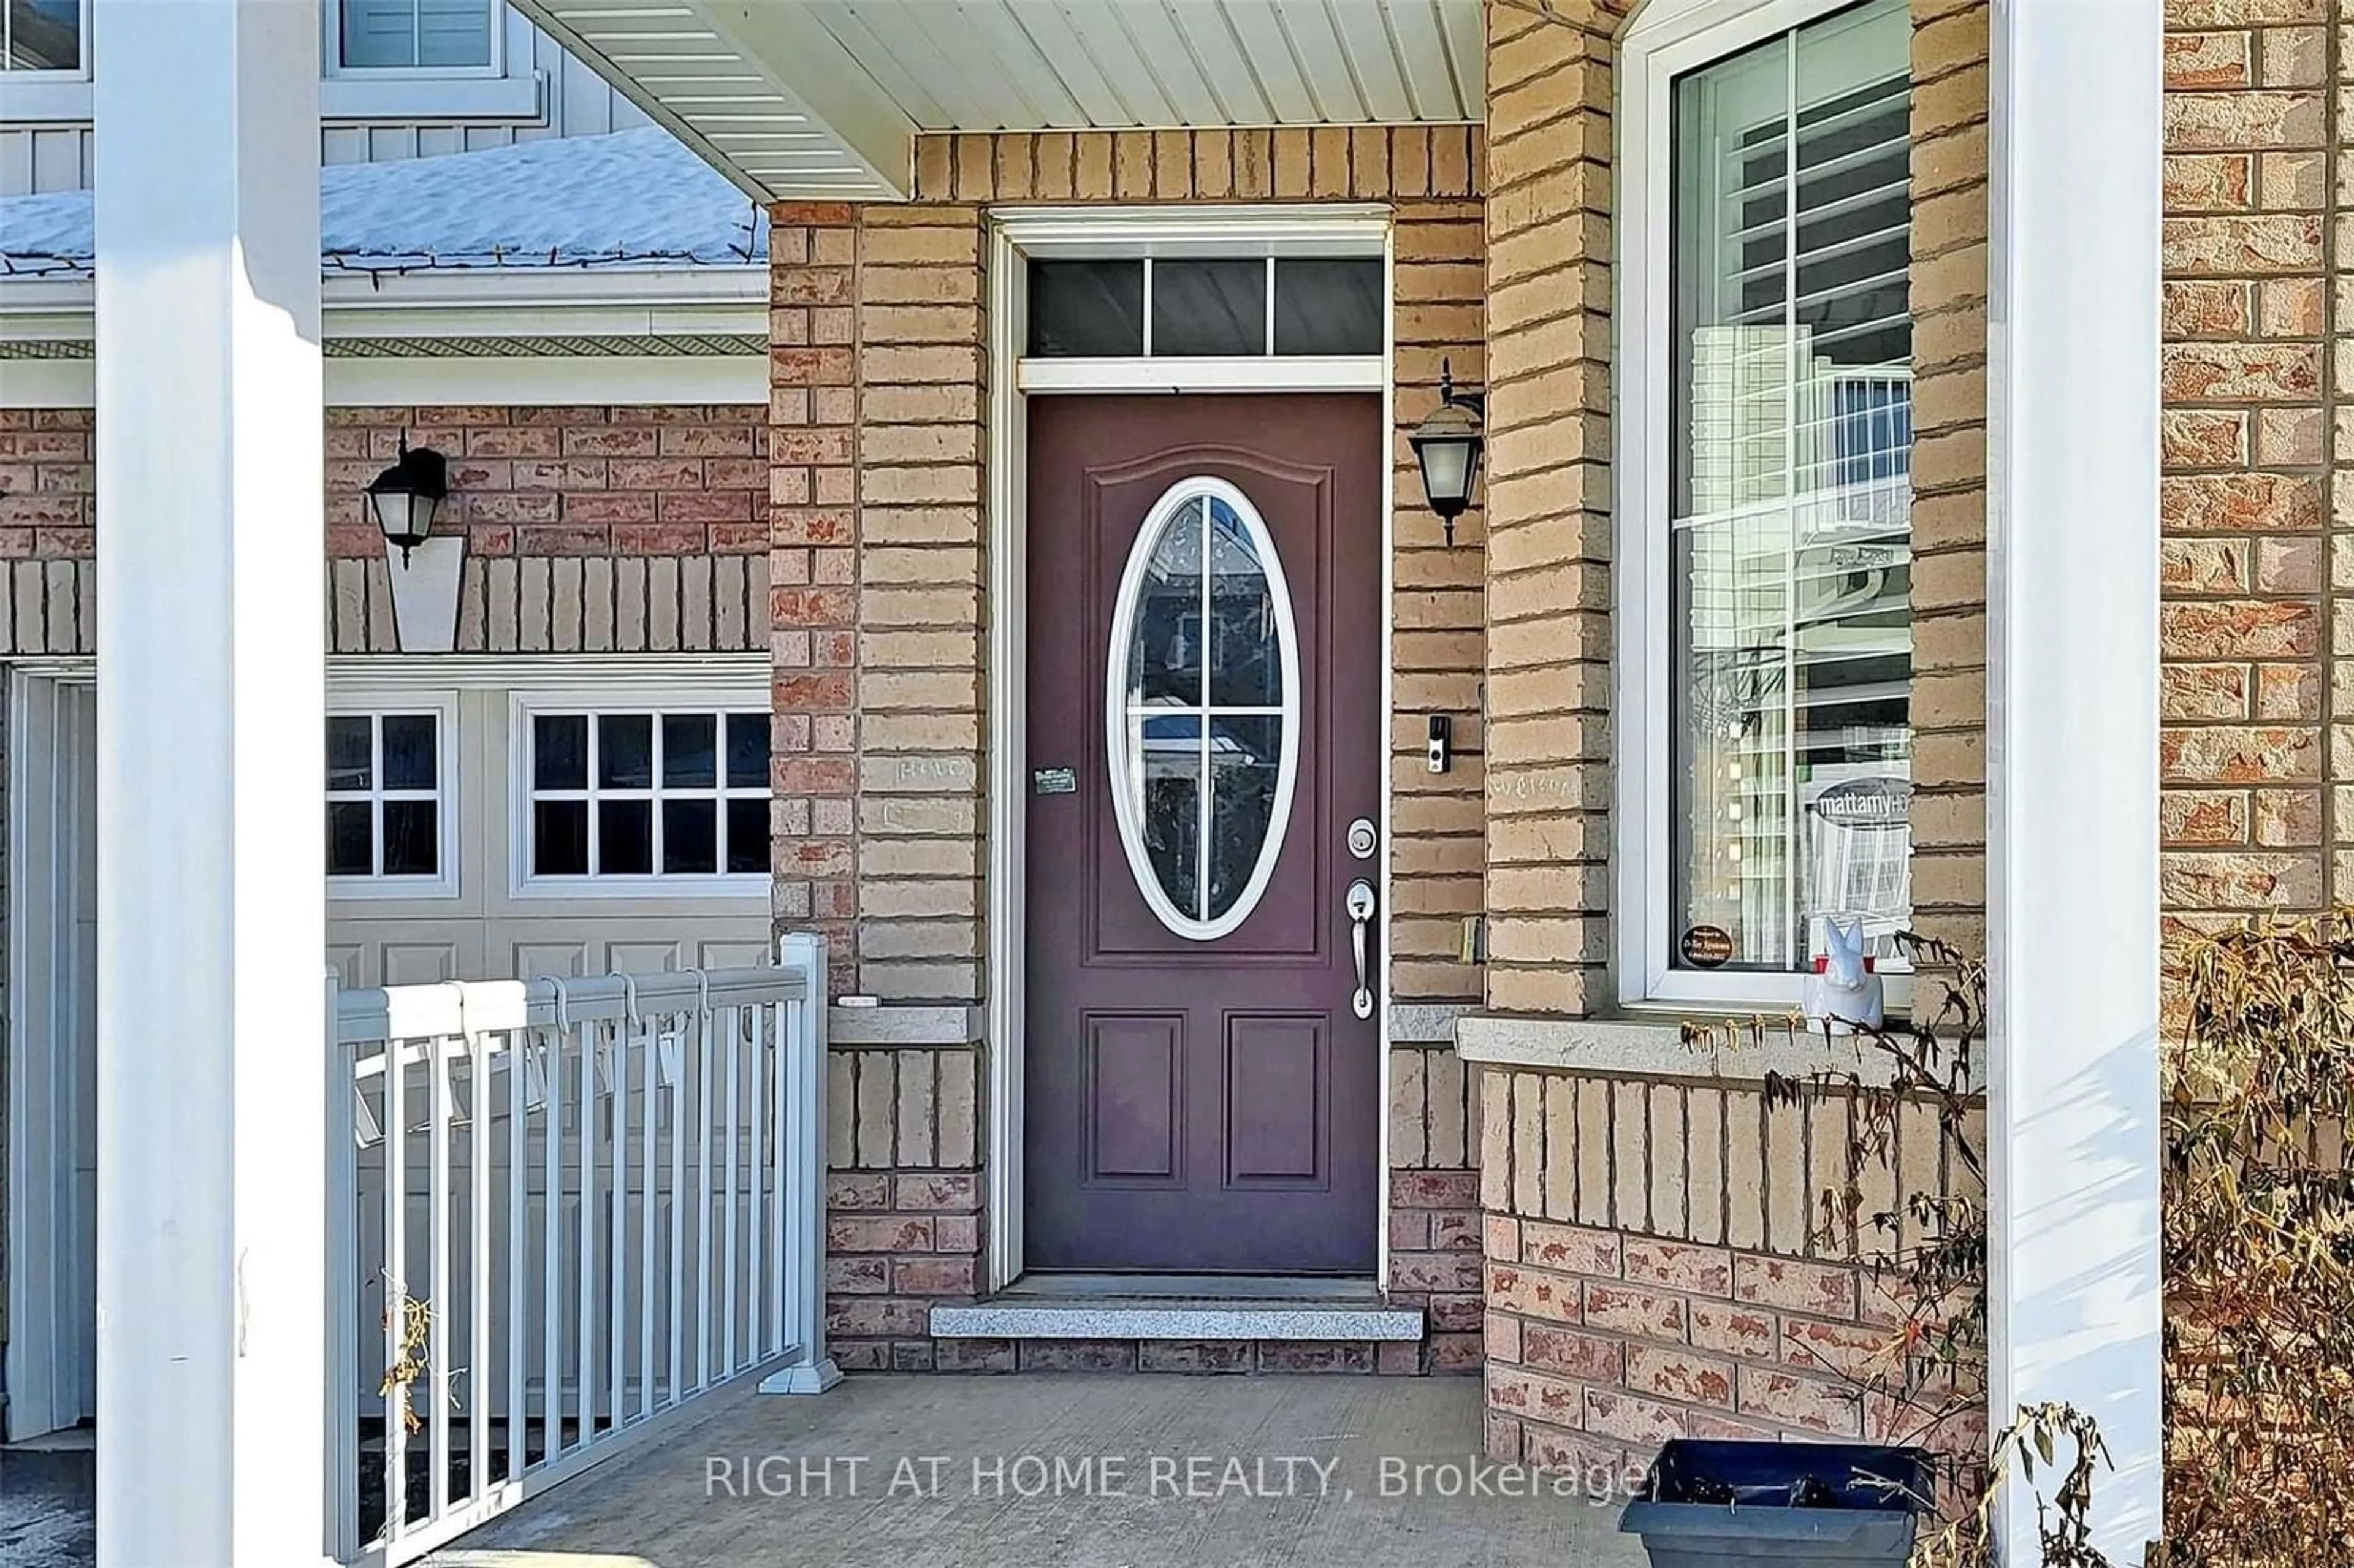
(1791, 494)
(415, 35)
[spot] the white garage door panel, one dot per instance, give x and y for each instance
(487, 932)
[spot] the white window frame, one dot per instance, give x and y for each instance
(1668, 40)
(41, 95)
(523, 706)
(375, 703)
(439, 92)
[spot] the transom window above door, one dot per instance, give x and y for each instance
(1189, 307)
(652, 799)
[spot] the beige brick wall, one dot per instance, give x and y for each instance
(2255, 497)
(1548, 492)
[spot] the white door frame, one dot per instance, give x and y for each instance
(1016, 235)
(52, 1342)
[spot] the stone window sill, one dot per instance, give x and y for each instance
(1650, 1048)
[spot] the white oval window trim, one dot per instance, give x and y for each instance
(1123, 630)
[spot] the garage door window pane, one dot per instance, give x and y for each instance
(559, 751)
(351, 833)
(351, 752)
(690, 838)
(409, 751)
(625, 751)
(748, 837)
(559, 838)
(688, 742)
(410, 832)
(625, 837)
(747, 751)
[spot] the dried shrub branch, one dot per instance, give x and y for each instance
(1926, 1253)
(2259, 1227)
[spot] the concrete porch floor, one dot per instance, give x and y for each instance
(673, 1509)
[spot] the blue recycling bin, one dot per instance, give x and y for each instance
(1734, 1505)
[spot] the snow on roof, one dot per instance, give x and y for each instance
(630, 199)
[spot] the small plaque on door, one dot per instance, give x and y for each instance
(1053, 781)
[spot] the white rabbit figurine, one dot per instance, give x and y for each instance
(1843, 991)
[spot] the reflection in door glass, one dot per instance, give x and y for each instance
(1202, 715)
(1170, 747)
(1244, 766)
(1245, 660)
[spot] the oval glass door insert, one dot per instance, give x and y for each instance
(1202, 708)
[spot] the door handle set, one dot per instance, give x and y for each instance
(1360, 905)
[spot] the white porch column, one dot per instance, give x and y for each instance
(2073, 736)
(211, 1267)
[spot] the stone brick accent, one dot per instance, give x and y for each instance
(903, 1202)
(1435, 1207)
(588, 529)
(1548, 494)
(2255, 454)
(1654, 1269)
(48, 532)
(1950, 433)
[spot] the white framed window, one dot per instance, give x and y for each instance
(439, 59)
(414, 36)
(1763, 477)
(44, 39)
(45, 59)
(391, 797)
(1234, 300)
(619, 798)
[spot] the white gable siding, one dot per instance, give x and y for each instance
(56, 155)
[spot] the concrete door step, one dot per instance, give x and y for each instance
(1253, 1316)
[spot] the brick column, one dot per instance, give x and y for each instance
(1548, 574)
(2244, 440)
(923, 375)
(814, 571)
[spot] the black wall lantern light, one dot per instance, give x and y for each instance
(1449, 445)
(405, 496)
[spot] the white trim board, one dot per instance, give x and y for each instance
(553, 380)
(1016, 235)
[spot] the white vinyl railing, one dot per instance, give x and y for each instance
(559, 1210)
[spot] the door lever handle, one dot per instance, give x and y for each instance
(1359, 905)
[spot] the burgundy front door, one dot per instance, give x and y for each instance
(1203, 1077)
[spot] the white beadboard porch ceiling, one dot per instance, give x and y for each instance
(803, 100)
